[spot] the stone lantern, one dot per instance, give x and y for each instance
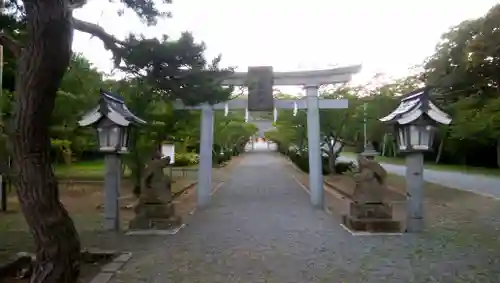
(414, 122)
(369, 151)
(113, 121)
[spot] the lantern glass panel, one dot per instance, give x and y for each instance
(102, 137)
(114, 137)
(421, 137)
(124, 138)
(425, 137)
(402, 138)
(414, 135)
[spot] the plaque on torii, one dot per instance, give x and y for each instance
(260, 81)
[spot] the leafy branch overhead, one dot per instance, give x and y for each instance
(175, 68)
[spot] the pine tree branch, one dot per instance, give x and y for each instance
(110, 42)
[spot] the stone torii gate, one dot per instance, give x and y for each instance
(260, 82)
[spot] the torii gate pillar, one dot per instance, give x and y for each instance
(204, 186)
(313, 143)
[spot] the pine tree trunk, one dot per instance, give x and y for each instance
(41, 67)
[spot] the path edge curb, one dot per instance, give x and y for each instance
(109, 270)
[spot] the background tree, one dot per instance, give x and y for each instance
(465, 70)
(230, 131)
(334, 122)
(463, 73)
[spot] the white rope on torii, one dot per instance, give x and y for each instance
(275, 111)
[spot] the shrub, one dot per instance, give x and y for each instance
(302, 162)
(281, 148)
(186, 159)
(227, 156)
(238, 149)
(301, 159)
(220, 158)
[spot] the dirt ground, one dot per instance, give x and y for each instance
(84, 203)
(83, 200)
(462, 218)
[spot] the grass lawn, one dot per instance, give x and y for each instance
(91, 170)
(85, 170)
(441, 167)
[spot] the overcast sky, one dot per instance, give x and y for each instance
(387, 36)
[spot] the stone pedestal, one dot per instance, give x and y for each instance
(155, 215)
(371, 217)
(370, 210)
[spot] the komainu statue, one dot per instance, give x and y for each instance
(370, 181)
(155, 185)
(155, 209)
(370, 190)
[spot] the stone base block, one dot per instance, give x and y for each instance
(373, 225)
(370, 210)
(163, 224)
(155, 210)
(155, 216)
(139, 223)
(371, 217)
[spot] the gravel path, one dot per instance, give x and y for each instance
(261, 227)
(480, 184)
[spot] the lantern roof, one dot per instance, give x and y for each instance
(111, 106)
(415, 105)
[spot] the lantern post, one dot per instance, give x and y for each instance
(112, 121)
(414, 122)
